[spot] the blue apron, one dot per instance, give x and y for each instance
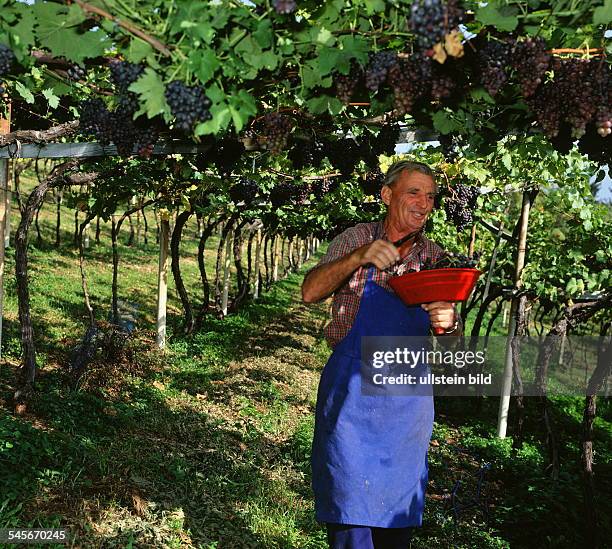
(369, 455)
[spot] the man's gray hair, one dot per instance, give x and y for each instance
(397, 168)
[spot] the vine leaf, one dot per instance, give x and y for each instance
(603, 14)
(444, 123)
(24, 92)
(57, 32)
(51, 98)
(203, 63)
(150, 90)
(498, 15)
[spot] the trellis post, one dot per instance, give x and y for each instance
(4, 128)
(226, 271)
(504, 401)
(257, 263)
(162, 278)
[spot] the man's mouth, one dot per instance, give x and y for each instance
(419, 215)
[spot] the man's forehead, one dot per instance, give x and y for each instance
(416, 180)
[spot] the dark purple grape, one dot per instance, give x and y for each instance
(7, 58)
(188, 104)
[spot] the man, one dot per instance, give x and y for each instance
(369, 456)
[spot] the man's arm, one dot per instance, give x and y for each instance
(325, 279)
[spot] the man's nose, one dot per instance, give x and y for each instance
(422, 201)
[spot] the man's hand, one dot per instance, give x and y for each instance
(441, 314)
(380, 253)
(326, 279)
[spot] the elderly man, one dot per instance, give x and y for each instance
(369, 457)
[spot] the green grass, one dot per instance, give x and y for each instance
(207, 444)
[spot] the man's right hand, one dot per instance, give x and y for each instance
(326, 279)
(380, 253)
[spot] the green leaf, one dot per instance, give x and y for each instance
(444, 123)
(23, 30)
(242, 107)
(312, 77)
(318, 105)
(221, 116)
(264, 35)
(507, 161)
(150, 90)
(139, 50)
(328, 60)
(498, 15)
(203, 63)
(51, 98)
(603, 14)
(373, 6)
(24, 92)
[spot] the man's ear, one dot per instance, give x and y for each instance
(385, 194)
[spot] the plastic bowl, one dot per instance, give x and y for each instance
(449, 284)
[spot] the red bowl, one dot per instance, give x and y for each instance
(435, 285)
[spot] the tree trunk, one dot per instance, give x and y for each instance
(58, 220)
(76, 228)
(188, 324)
(220, 252)
(601, 373)
(98, 230)
(27, 372)
(210, 227)
(90, 312)
(242, 280)
(39, 239)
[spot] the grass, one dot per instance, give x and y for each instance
(207, 444)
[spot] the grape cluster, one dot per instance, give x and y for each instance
(377, 69)
(343, 155)
(530, 60)
(604, 122)
(432, 20)
(7, 57)
(96, 120)
(575, 96)
(124, 74)
(386, 139)
(225, 156)
(284, 7)
(372, 182)
(244, 191)
(188, 104)
(408, 79)
(76, 73)
(494, 60)
(323, 186)
(459, 205)
(450, 260)
(307, 153)
(117, 127)
(302, 192)
(282, 193)
(276, 129)
(442, 86)
(346, 84)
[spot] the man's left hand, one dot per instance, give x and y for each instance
(441, 314)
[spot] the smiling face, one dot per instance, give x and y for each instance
(409, 201)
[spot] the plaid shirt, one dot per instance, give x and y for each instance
(347, 298)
